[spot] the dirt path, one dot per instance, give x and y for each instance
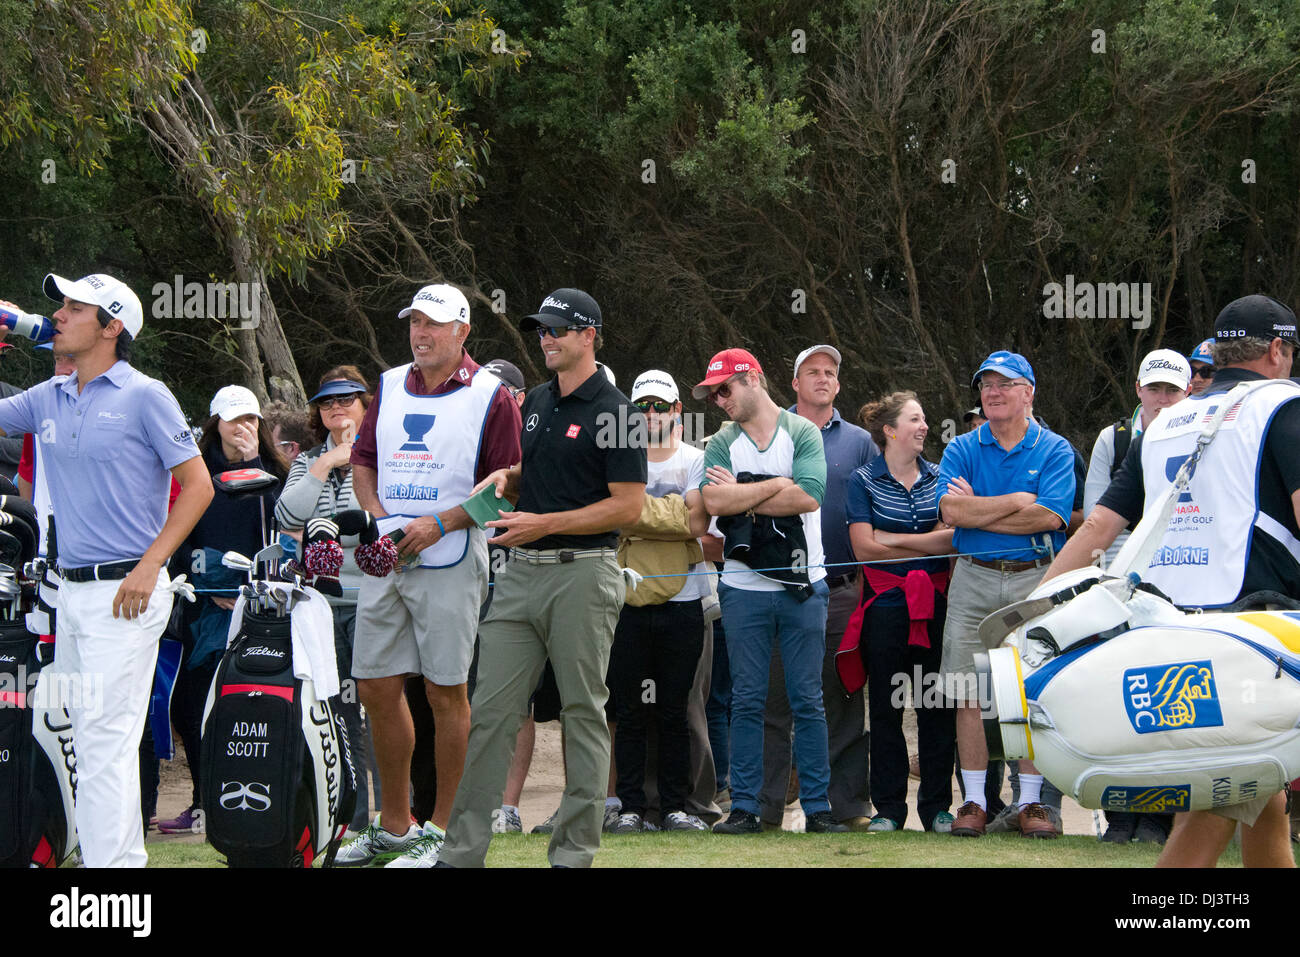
(546, 785)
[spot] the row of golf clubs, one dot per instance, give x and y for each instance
(264, 591)
(11, 593)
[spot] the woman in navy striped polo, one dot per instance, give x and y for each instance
(894, 521)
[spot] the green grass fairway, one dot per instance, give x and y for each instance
(905, 849)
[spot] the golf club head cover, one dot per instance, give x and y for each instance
(378, 558)
(359, 522)
(11, 550)
(323, 555)
(19, 519)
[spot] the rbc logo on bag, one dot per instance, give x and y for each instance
(1158, 800)
(1172, 697)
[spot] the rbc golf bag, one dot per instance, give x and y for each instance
(1128, 703)
(38, 765)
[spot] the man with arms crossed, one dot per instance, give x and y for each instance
(111, 435)
(783, 453)
(1002, 486)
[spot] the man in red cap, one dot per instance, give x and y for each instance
(764, 477)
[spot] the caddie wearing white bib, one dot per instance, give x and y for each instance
(1234, 531)
(435, 428)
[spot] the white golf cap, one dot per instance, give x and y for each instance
(441, 303)
(654, 383)
(97, 289)
(1165, 365)
(232, 401)
(812, 351)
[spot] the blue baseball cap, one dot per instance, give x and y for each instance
(338, 387)
(1202, 352)
(1010, 364)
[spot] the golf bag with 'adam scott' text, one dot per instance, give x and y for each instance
(278, 786)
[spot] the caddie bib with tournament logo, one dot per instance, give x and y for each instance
(427, 449)
(1201, 560)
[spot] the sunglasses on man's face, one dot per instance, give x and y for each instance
(724, 391)
(340, 401)
(556, 332)
(1204, 372)
(645, 405)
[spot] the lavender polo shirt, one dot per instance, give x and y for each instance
(108, 452)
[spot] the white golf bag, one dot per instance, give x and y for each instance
(1125, 702)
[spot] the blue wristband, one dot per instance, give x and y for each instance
(440, 528)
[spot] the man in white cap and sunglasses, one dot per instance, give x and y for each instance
(437, 426)
(110, 436)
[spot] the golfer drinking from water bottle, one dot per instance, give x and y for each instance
(110, 436)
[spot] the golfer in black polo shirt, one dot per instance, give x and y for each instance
(583, 476)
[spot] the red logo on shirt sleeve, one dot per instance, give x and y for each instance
(573, 431)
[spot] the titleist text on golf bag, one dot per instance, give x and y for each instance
(278, 785)
(38, 766)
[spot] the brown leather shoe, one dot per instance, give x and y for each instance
(970, 820)
(1036, 822)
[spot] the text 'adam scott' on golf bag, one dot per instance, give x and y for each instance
(278, 786)
(38, 765)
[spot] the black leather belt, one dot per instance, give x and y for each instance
(107, 572)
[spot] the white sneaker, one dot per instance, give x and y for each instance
(376, 846)
(681, 821)
(506, 821)
(626, 824)
(612, 813)
(423, 851)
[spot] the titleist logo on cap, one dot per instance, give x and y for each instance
(1164, 364)
(429, 297)
(554, 303)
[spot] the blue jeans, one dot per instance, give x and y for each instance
(718, 708)
(753, 619)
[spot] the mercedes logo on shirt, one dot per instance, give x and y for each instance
(532, 423)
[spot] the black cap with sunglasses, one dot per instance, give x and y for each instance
(564, 309)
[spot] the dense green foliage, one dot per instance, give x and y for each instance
(798, 193)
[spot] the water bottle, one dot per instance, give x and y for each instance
(28, 325)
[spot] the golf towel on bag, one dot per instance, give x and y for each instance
(313, 641)
(278, 785)
(38, 766)
(1173, 712)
